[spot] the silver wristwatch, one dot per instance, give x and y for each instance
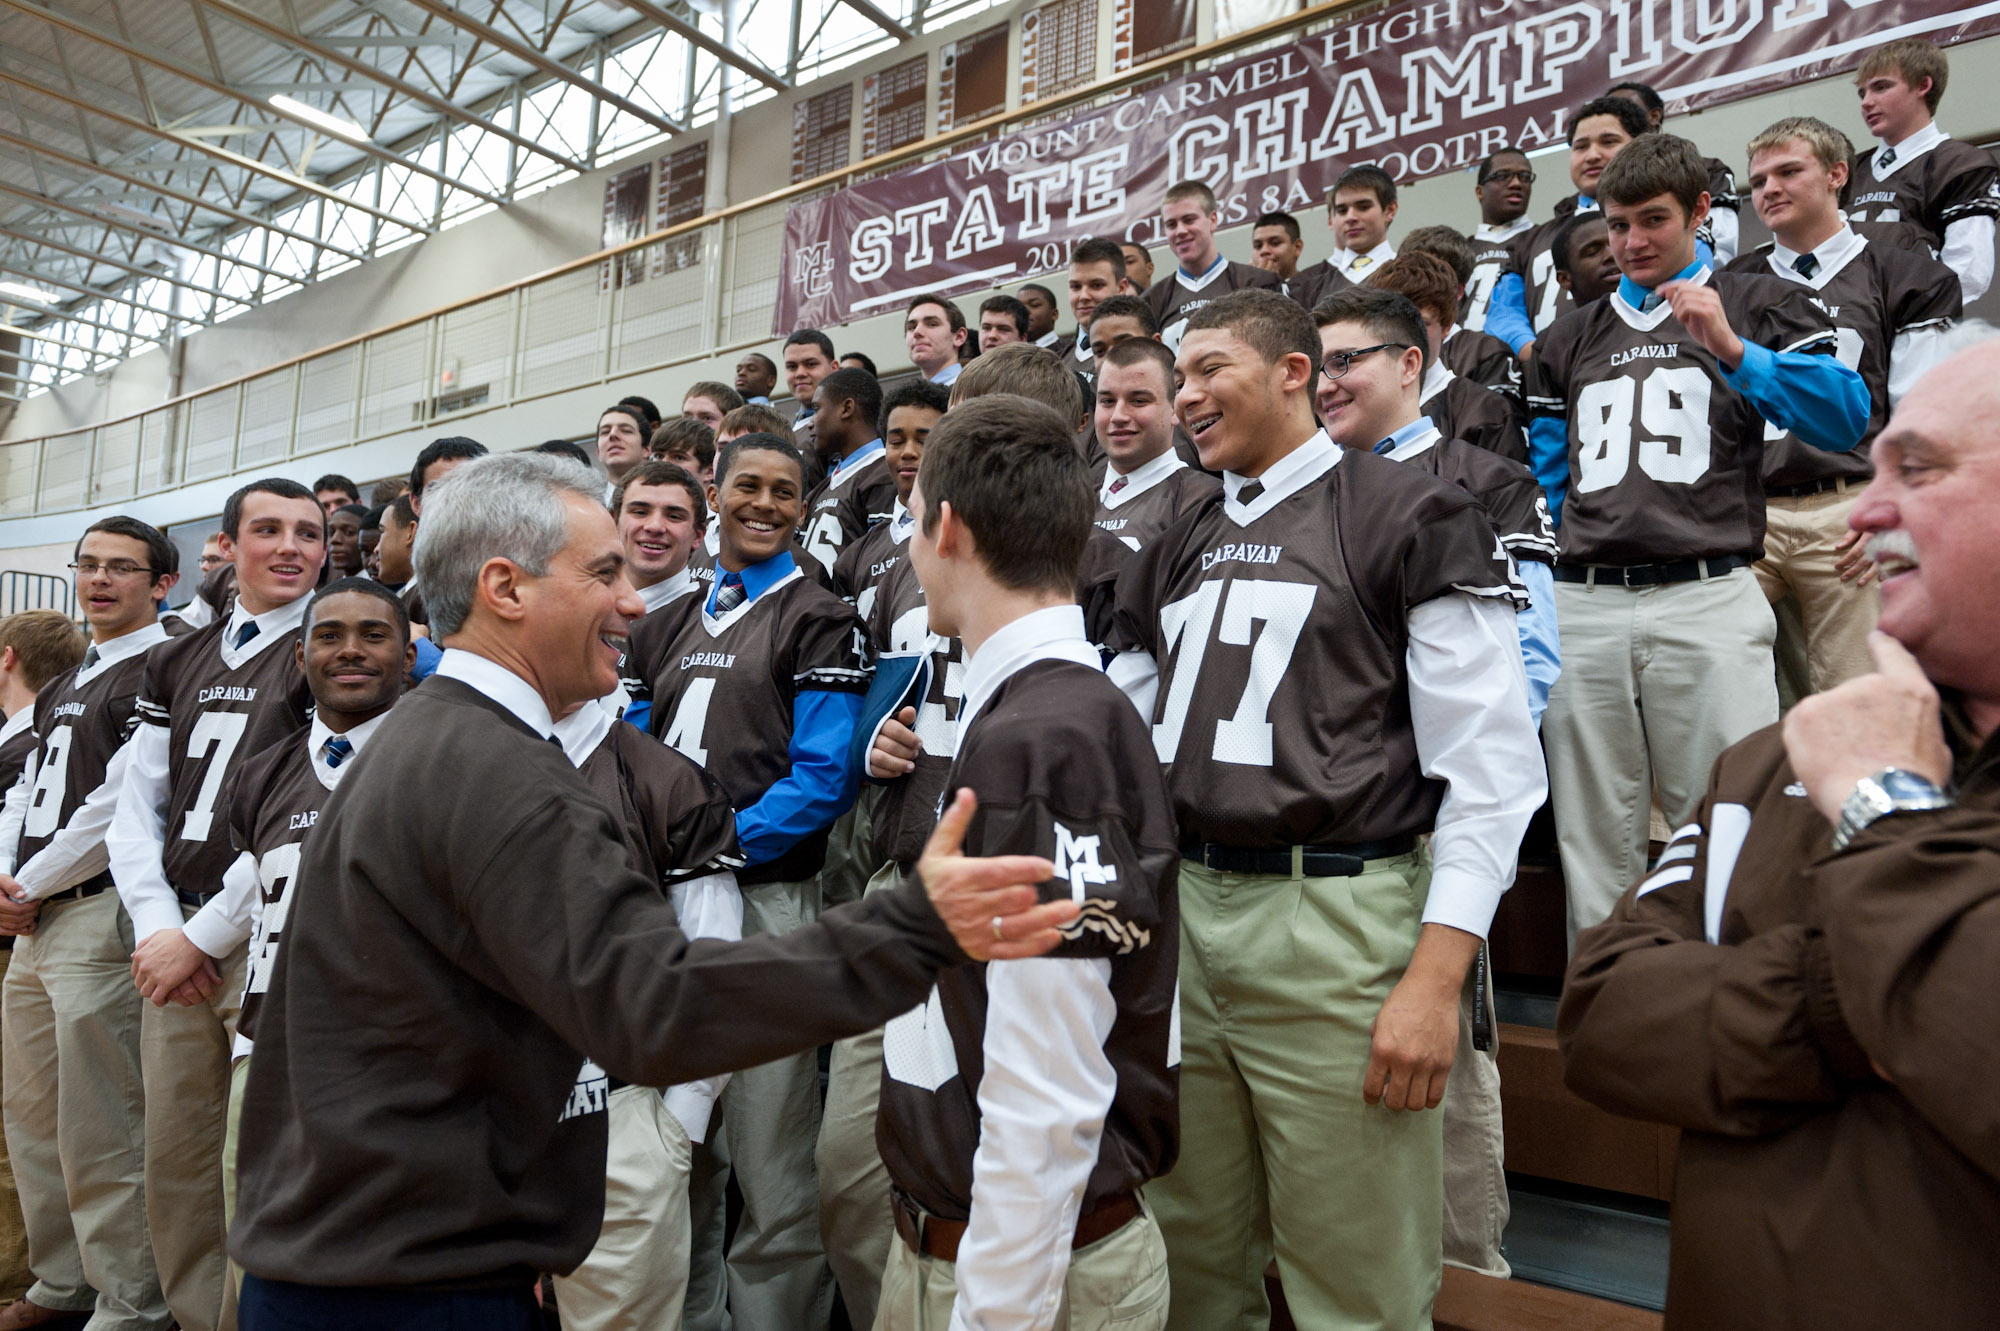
(1891, 790)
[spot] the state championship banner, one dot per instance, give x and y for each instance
(1420, 89)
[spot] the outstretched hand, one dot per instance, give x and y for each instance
(989, 904)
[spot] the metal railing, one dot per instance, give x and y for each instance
(35, 591)
(551, 332)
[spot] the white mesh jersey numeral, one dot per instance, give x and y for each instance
(823, 537)
(51, 782)
(278, 872)
(1672, 405)
(1282, 607)
(690, 720)
(935, 727)
(222, 732)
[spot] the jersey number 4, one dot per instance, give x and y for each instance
(1672, 409)
(1282, 608)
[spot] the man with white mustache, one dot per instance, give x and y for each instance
(1803, 984)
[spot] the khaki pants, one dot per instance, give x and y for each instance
(635, 1279)
(15, 1274)
(75, 1113)
(854, 1217)
(1119, 1282)
(850, 852)
(185, 1055)
(1835, 617)
(776, 1270)
(1656, 683)
(1475, 1153)
(1281, 980)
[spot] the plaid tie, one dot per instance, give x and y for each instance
(338, 750)
(1886, 160)
(1119, 484)
(730, 594)
(90, 659)
(1805, 266)
(246, 633)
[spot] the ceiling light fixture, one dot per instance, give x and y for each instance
(22, 291)
(319, 119)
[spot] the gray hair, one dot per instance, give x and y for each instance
(506, 506)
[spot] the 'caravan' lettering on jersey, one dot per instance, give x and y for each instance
(1239, 553)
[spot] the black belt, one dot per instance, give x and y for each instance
(1650, 575)
(1310, 861)
(82, 891)
(1804, 488)
(934, 1236)
(195, 899)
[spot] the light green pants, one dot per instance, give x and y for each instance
(1281, 980)
(1118, 1282)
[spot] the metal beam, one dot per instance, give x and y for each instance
(442, 105)
(648, 10)
(56, 314)
(879, 19)
(553, 68)
(165, 238)
(58, 342)
(220, 89)
(233, 158)
(31, 274)
(29, 238)
(169, 192)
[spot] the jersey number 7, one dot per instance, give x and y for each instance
(1282, 608)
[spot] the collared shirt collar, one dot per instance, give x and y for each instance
(949, 374)
(1196, 281)
(1910, 149)
(1636, 296)
(1834, 254)
(582, 731)
(873, 448)
(667, 589)
(712, 541)
(1435, 380)
(502, 685)
(1584, 204)
(761, 400)
(271, 625)
(1290, 474)
(1049, 339)
(1081, 350)
(19, 722)
(1381, 254)
(901, 524)
(117, 649)
(758, 578)
(1487, 231)
(1139, 480)
(1054, 633)
(320, 733)
(1409, 434)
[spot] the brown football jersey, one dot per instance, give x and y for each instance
(899, 625)
(1315, 282)
(844, 505)
(274, 800)
(1481, 416)
(14, 755)
(722, 690)
(79, 728)
(1059, 760)
(1506, 490)
(1483, 359)
(1878, 289)
(216, 716)
(1281, 632)
(1665, 458)
(864, 563)
(1490, 254)
(1136, 518)
(1173, 298)
(1930, 191)
(1531, 257)
(677, 818)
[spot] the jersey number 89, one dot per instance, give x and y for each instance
(1672, 409)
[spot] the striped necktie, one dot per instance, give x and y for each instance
(246, 633)
(338, 750)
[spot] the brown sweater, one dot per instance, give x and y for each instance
(1741, 991)
(465, 929)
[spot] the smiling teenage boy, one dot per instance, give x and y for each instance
(1146, 484)
(1201, 275)
(207, 702)
(761, 682)
(1648, 435)
(1328, 654)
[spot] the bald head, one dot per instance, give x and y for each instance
(1931, 514)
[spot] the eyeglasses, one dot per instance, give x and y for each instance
(1339, 362)
(1502, 177)
(117, 568)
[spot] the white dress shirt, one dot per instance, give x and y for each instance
(949, 374)
(1968, 242)
(667, 590)
(76, 853)
(1493, 235)
(136, 841)
(1912, 350)
(1468, 706)
(1138, 480)
(1348, 261)
(1048, 1083)
(710, 906)
(487, 676)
